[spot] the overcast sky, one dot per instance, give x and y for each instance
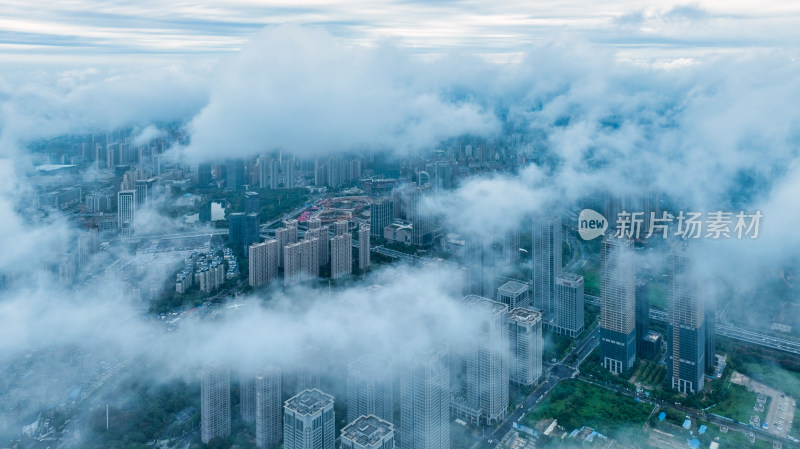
(65, 30)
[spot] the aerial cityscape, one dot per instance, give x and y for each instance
(399, 225)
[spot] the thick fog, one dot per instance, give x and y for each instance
(719, 133)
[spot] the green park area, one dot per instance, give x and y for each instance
(738, 404)
(575, 403)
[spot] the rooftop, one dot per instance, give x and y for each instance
(570, 279)
(513, 288)
(367, 430)
(523, 315)
(479, 302)
(309, 402)
(370, 367)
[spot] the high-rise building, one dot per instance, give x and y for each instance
(247, 398)
(243, 230)
(341, 255)
(126, 211)
(381, 215)
(513, 294)
(234, 175)
(642, 315)
(321, 234)
(569, 304)
(480, 262)
(425, 402)
(487, 359)
(263, 262)
(525, 337)
(711, 337)
(341, 227)
(309, 421)
(145, 190)
(511, 247)
(368, 432)
(301, 261)
(686, 334)
(274, 176)
(251, 203)
(263, 172)
(369, 388)
(290, 175)
(236, 229)
(285, 235)
(618, 305)
(363, 247)
(269, 429)
(215, 402)
(546, 259)
(407, 201)
(203, 175)
(314, 223)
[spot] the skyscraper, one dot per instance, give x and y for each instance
(290, 176)
(407, 201)
(274, 176)
(546, 260)
(686, 334)
(479, 260)
(263, 172)
(363, 247)
(487, 360)
(234, 175)
(525, 337)
(251, 202)
(618, 305)
(369, 388)
(425, 401)
(513, 294)
(711, 337)
(309, 421)
(203, 175)
(285, 236)
(381, 215)
(269, 429)
(368, 432)
(340, 227)
(126, 207)
(569, 304)
(215, 402)
(642, 314)
(301, 261)
(247, 398)
(263, 262)
(341, 255)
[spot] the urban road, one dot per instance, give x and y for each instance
(553, 375)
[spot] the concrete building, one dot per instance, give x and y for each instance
(285, 235)
(526, 345)
(487, 359)
(247, 398)
(301, 261)
(686, 332)
(363, 247)
(341, 227)
(425, 402)
(479, 258)
(381, 215)
(546, 260)
(321, 234)
(269, 428)
(406, 201)
(369, 388)
(513, 294)
(569, 304)
(126, 211)
(309, 421)
(263, 262)
(215, 402)
(341, 255)
(251, 202)
(234, 175)
(368, 432)
(618, 305)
